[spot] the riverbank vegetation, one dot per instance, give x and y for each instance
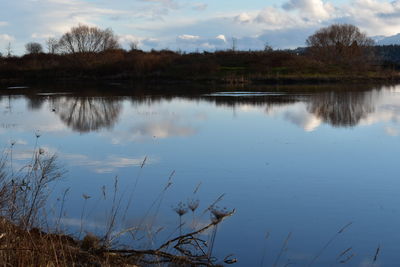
(335, 53)
(33, 231)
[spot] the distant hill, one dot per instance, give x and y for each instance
(387, 40)
(389, 54)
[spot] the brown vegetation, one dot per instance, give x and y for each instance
(169, 66)
(338, 52)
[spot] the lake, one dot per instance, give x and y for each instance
(311, 171)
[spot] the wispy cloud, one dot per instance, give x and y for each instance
(106, 165)
(161, 23)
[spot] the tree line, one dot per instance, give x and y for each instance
(80, 39)
(342, 40)
(334, 51)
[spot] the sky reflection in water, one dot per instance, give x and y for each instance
(306, 163)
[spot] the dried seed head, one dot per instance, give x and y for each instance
(193, 204)
(181, 209)
(218, 214)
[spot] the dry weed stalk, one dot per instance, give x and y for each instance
(23, 197)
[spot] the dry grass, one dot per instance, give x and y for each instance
(23, 242)
(19, 247)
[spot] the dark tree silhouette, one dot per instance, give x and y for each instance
(342, 109)
(341, 44)
(86, 114)
(87, 39)
(33, 48)
(52, 45)
(35, 102)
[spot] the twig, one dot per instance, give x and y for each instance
(166, 244)
(329, 242)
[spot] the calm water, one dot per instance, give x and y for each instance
(305, 163)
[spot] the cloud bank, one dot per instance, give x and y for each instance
(202, 25)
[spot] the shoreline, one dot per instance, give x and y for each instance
(226, 81)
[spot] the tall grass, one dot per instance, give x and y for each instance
(24, 195)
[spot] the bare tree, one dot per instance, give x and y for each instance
(134, 45)
(341, 43)
(267, 47)
(52, 45)
(88, 39)
(33, 48)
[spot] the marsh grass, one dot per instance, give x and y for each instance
(24, 195)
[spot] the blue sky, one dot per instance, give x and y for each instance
(194, 24)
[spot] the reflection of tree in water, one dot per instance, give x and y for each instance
(35, 102)
(341, 109)
(85, 114)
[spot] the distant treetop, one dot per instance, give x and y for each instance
(341, 44)
(87, 39)
(339, 34)
(33, 48)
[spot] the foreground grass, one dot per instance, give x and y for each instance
(24, 195)
(20, 247)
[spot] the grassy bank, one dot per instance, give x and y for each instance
(33, 233)
(224, 67)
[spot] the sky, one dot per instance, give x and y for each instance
(191, 25)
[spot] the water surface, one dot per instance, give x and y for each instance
(303, 161)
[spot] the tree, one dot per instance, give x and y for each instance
(87, 39)
(341, 44)
(52, 45)
(267, 47)
(133, 46)
(33, 48)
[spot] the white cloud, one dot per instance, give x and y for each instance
(221, 37)
(274, 18)
(41, 35)
(297, 114)
(6, 38)
(376, 17)
(243, 18)
(195, 42)
(157, 23)
(311, 9)
(162, 129)
(107, 165)
(126, 39)
(188, 37)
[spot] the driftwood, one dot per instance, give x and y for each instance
(191, 250)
